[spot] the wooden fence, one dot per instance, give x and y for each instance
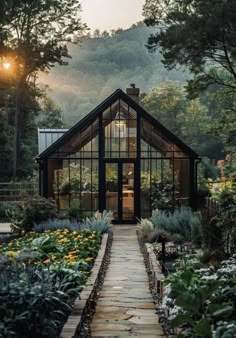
(212, 206)
(16, 191)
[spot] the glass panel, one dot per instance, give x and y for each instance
(75, 184)
(111, 172)
(83, 144)
(182, 178)
(145, 189)
(159, 185)
(128, 191)
(120, 130)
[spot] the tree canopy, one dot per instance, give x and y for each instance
(34, 34)
(33, 37)
(198, 34)
(188, 119)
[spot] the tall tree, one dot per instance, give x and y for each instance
(198, 34)
(188, 119)
(166, 102)
(34, 37)
(51, 114)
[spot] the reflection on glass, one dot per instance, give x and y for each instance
(128, 191)
(76, 185)
(112, 188)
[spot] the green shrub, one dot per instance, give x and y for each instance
(32, 211)
(158, 235)
(182, 223)
(34, 302)
(202, 301)
(4, 210)
(76, 214)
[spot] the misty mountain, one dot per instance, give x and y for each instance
(100, 65)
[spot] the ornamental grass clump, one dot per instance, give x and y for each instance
(101, 222)
(182, 224)
(145, 227)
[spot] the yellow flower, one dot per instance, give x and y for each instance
(72, 263)
(63, 240)
(68, 257)
(75, 251)
(89, 259)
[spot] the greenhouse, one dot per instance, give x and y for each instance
(119, 158)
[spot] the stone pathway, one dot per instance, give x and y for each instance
(5, 227)
(125, 306)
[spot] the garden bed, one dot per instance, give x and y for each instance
(78, 323)
(41, 276)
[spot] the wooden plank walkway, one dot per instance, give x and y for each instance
(125, 307)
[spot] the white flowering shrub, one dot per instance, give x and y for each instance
(201, 302)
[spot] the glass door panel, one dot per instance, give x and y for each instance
(112, 198)
(127, 191)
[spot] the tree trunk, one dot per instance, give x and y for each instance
(17, 124)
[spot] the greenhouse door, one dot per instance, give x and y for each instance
(120, 190)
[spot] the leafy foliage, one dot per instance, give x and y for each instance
(75, 249)
(40, 275)
(202, 301)
(34, 302)
(195, 34)
(32, 211)
(4, 211)
(182, 224)
(100, 222)
(33, 37)
(188, 119)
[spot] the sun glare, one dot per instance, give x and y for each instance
(6, 65)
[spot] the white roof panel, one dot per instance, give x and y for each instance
(46, 137)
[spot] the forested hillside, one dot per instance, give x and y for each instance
(101, 64)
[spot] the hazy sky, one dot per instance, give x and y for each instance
(111, 14)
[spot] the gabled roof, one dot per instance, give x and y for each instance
(118, 94)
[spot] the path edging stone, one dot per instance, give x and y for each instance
(77, 324)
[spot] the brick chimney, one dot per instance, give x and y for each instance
(133, 92)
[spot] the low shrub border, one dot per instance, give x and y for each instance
(77, 325)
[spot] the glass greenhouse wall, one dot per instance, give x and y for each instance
(118, 158)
